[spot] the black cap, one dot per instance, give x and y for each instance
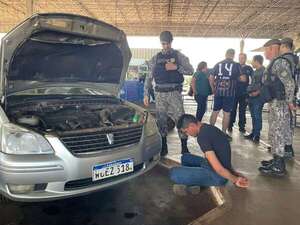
(287, 40)
(166, 36)
(272, 42)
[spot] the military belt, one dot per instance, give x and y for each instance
(168, 89)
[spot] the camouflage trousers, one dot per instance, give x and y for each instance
(168, 104)
(280, 127)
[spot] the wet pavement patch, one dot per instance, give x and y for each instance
(146, 200)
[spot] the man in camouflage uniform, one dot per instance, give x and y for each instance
(279, 80)
(286, 51)
(167, 69)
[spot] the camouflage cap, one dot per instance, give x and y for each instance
(287, 41)
(272, 42)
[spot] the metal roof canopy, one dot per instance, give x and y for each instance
(192, 18)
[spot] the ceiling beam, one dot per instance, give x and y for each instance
(170, 8)
(210, 13)
(85, 9)
(199, 17)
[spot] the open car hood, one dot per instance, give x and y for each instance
(63, 48)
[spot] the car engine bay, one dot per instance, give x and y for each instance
(69, 114)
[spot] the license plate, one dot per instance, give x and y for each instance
(112, 169)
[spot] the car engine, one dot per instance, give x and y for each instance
(62, 115)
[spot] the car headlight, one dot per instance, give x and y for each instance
(151, 127)
(19, 141)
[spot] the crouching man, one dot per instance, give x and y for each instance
(213, 170)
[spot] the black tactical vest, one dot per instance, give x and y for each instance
(161, 75)
(273, 88)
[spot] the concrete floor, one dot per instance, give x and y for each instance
(149, 200)
(268, 201)
(146, 200)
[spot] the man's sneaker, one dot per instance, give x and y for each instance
(164, 147)
(266, 163)
(229, 129)
(249, 136)
(277, 168)
(289, 152)
(256, 139)
(242, 130)
(183, 190)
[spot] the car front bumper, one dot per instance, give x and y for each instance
(64, 175)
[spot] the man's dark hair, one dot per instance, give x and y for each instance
(287, 42)
(185, 120)
(201, 66)
(230, 51)
(166, 36)
(288, 45)
(259, 59)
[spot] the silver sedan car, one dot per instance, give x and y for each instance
(64, 131)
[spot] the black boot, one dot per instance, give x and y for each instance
(277, 168)
(184, 148)
(164, 147)
(266, 163)
(289, 152)
(256, 139)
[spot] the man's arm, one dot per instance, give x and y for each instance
(219, 169)
(281, 68)
(194, 85)
(149, 78)
(184, 65)
(211, 80)
(148, 81)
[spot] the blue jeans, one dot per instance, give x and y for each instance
(201, 106)
(196, 171)
(256, 108)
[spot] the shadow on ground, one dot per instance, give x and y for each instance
(147, 200)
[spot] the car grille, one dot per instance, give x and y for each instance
(88, 182)
(94, 141)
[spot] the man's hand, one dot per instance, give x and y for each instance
(243, 78)
(146, 101)
(292, 107)
(242, 182)
(170, 66)
(254, 93)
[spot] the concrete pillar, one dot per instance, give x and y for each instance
(242, 46)
(29, 7)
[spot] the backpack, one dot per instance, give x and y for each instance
(294, 68)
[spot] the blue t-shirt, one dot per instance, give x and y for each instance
(242, 86)
(226, 75)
